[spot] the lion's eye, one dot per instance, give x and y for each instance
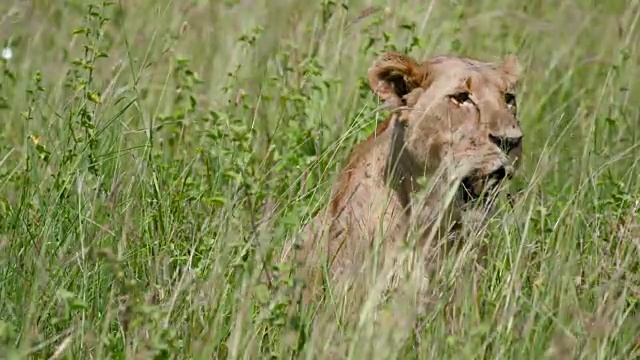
(510, 99)
(461, 97)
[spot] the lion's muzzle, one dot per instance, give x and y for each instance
(481, 189)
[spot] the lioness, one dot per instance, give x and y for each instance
(453, 122)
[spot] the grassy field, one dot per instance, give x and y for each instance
(154, 157)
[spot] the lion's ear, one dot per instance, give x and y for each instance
(511, 67)
(394, 75)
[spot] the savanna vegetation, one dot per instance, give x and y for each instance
(156, 155)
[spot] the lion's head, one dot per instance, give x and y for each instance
(457, 111)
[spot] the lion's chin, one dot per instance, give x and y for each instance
(477, 190)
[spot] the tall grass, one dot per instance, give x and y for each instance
(156, 155)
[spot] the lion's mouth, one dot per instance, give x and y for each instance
(482, 190)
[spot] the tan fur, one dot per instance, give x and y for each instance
(429, 134)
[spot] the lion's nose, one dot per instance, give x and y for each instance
(506, 143)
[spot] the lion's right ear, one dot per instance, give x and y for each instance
(394, 75)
